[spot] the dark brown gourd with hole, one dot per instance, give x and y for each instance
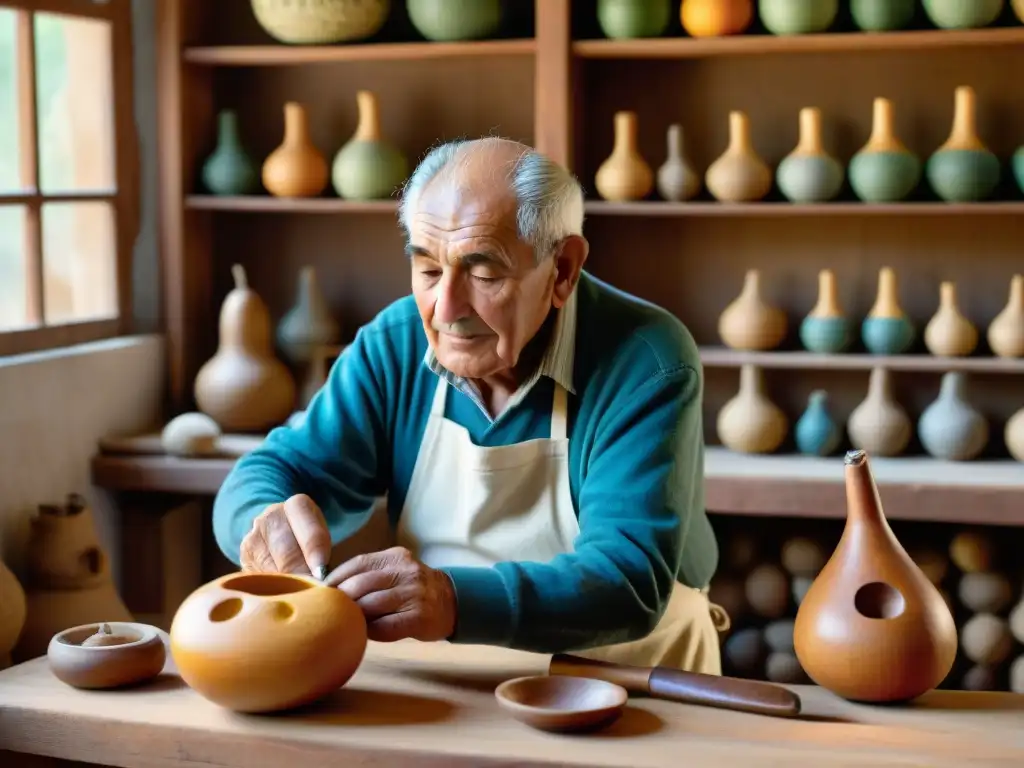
(244, 387)
(872, 627)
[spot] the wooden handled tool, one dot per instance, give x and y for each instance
(686, 687)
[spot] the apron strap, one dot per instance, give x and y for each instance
(719, 616)
(440, 397)
(559, 413)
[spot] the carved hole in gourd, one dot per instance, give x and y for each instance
(92, 560)
(878, 600)
(283, 611)
(266, 584)
(226, 609)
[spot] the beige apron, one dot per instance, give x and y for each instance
(470, 505)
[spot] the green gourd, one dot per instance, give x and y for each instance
(884, 170)
(368, 167)
(797, 17)
(963, 169)
(625, 19)
(229, 170)
(881, 15)
(963, 14)
(448, 20)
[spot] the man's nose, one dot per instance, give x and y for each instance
(451, 304)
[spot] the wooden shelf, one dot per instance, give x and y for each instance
(269, 204)
(723, 357)
(780, 209)
(911, 488)
(287, 55)
(753, 45)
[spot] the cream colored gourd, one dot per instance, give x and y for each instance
(739, 175)
(750, 422)
(1014, 435)
(12, 613)
(749, 322)
(624, 175)
(243, 387)
(880, 425)
(949, 333)
(1006, 331)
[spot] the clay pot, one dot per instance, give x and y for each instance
(826, 329)
(12, 613)
(879, 424)
(949, 333)
(262, 642)
(956, 14)
(1006, 331)
(676, 179)
(108, 655)
(368, 167)
(1014, 438)
(624, 175)
(229, 170)
(797, 17)
(321, 23)
(308, 324)
(884, 170)
(963, 170)
(716, 18)
(816, 432)
(881, 15)
(451, 20)
(739, 175)
(749, 322)
(626, 19)
(950, 428)
(872, 628)
(750, 422)
(296, 168)
(809, 174)
(887, 330)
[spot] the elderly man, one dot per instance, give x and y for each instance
(537, 433)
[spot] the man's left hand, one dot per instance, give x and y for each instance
(400, 596)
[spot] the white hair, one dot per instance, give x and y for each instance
(549, 199)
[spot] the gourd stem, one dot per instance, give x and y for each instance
(675, 142)
(1017, 292)
(947, 295)
(625, 131)
(810, 132)
(368, 128)
(739, 132)
(238, 273)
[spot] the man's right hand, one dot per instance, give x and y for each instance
(288, 538)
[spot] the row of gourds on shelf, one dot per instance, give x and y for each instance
(366, 167)
(299, 22)
(950, 428)
(884, 170)
(761, 587)
(752, 324)
(626, 19)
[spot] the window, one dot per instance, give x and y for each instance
(68, 166)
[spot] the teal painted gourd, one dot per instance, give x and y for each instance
(1018, 167)
(625, 19)
(449, 20)
(229, 170)
(368, 167)
(887, 330)
(884, 170)
(963, 170)
(826, 329)
(809, 174)
(963, 14)
(816, 433)
(797, 17)
(881, 15)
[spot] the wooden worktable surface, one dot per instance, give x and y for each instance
(432, 706)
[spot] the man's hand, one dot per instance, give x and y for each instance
(400, 596)
(288, 538)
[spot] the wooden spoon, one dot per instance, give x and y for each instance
(686, 687)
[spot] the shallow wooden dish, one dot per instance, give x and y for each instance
(138, 660)
(561, 703)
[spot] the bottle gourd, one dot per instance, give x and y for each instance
(243, 387)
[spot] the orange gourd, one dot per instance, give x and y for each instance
(264, 642)
(872, 627)
(716, 18)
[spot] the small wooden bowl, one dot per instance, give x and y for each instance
(560, 702)
(137, 660)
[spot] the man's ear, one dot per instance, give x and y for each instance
(569, 260)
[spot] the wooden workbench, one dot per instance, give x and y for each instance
(415, 705)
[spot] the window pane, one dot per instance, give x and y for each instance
(75, 96)
(10, 170)
(13, 263)
(79, 262)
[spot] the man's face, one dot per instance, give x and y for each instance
(479, 290)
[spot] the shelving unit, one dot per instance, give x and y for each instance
(555, 84)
